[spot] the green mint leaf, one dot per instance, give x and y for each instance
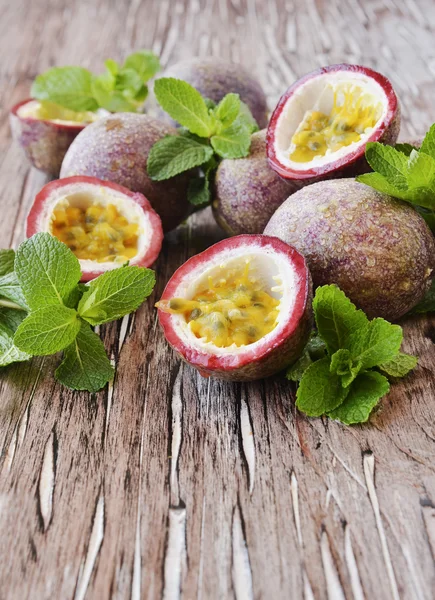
(428, 302)
(10, 288)
(175, 154)
(9, 353)
(209, 103)
(115, 294)
(70, 87)
(365, 392)
(336, 317)
(7, 258)
(400, 365)
(85, 365)
(389, 162)
(343, 366)
(296, 370)
(428, 144)
(112, 67)
(129, 80)
(246, 119)
(47, 330)
(378, 342)
(198, 192)
(232, 142)
(145, 63)
(405, 148)
(11, 318)
(184, 104)
(319, 391)
(103, 88)
(381, 184)
(47, 270)
(228, 109)
(421, 170)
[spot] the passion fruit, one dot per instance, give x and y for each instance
(45, 131)
(247, 191)
(116, 149)
(323, 122)
(214, 78)
(377, 249)
(240, 310)
(103, 223)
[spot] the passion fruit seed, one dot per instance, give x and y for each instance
(352, 114)
(99, 233)
(232, 310)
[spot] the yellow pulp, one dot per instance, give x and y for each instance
(231, 310)
(49, 111)
(346, 123)
(96, 232)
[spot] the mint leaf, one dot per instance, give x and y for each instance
(103, 89)
(175, 154)
(70, 87)
(11, 318)
(184, 104)
(428, 144)
(378, 342)
(145, 63)
(405, 148)
(389, 162)
(336, 317)
(115, 294)
(11, 289)
(85, 365)
(380, 183)
(366, 391)
(400, 365)
(343, 366)
(47, 270)
(47, 330)
(319, 391)
(228, 109)
(9, 353)
(428, 302)
(246, 119)
(7, 258)
(314, 350)
(232, 142)
(198, 192)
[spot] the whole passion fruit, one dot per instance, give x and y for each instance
(214, 78)
(247, 191)
(116, 149)
(323, 122)
(103, 223)
(45, 131)
(240, 310)
(378, 250)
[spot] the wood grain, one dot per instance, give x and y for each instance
(170, 485)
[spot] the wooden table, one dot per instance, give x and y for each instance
(168, 484)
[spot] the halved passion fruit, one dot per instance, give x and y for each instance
(45, 131)
(323, 122)
(103, 223)
(240, 310)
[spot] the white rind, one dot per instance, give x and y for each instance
(274, 269)
(314, 94)
(29, 111)
(100, 194)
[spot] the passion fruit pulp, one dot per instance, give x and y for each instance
(323, 122)
(104, 224)
(45, 131)
(240, 310)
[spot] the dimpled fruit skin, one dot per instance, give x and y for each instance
(378, 250)
(215, 78)
(116, 149)
(247, 191)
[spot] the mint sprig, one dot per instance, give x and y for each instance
(336, 371)
(211, 133)
(59, 311)
(405, 172)
(120, 88)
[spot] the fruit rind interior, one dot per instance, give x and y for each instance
(234, 303)
(48, 111)
(98, 223)
(328, 116)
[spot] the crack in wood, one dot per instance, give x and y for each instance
(176, 435)
(94, 545)
(175, 556)
(334, 588)
(47, 481)
(241, 566)
(248, 443)
(352, 566)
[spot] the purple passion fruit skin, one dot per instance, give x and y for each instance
(378, 250)
(44, 143)
(116, 149)
(247, 191)
(215, 78)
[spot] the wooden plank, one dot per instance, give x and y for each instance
(167, 484)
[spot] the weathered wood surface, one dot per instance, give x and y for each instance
(167, 484)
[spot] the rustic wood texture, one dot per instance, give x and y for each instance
(170, 485)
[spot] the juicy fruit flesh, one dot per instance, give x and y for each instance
(232, 310)
(48, 111)
(352, 113)
(96, 232)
